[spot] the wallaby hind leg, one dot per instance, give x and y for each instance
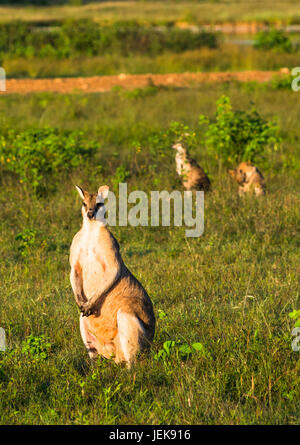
(131, 336)
(93, 345)
(89, 339)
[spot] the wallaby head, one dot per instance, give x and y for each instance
(179, 148)
(243, 172)
(93, 203)
(238, 174)
(249, 179)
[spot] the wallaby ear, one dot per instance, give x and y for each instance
(103, 191)
(80, 191)
(232, 173)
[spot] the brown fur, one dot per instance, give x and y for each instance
(117, 317)
(249, 179)
(192, 175)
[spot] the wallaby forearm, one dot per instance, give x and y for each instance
(77, 286)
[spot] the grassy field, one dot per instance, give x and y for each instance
(85, 48)
(155, 11)
(231, 290)
(226, 58)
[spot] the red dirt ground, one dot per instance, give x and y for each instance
(129, 81)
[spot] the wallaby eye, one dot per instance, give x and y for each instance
(84, 204)
(241, 171)
(99, 204)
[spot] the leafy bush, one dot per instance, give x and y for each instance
(34, 155)
(26, 40)
(274, 39)
(140, 93)
(82, 36)
(182, 40)
(120, 176)
(85, 37)
(232, 135)
(236, 135)
(281, 82)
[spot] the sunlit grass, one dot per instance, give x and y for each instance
(191, 11)
(227, 58)
(232, 289)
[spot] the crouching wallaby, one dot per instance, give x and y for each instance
(249, 179)
(192, 175)
(117, 319)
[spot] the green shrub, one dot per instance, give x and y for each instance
(274, 39)
(82, 36)
(140, 93)
(85, 37)
(282, 82)
(34, 155)
(232, 135)
(237, 135)
(182, 40)
(120, 176)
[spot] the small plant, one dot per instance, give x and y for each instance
(181, 350)
(161, 314)
(165, 352)
(37, 347)
(273, 40)
(120, 176)
(140, 93)
(110, 393)
(26, 240)
(237, 135)
(182, 133)
(295, 315)
(281, 82)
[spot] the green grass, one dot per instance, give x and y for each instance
(227, 58)
(151, 11)
(231, 289)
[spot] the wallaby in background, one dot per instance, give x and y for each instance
(192, 175)
(249, 179)
(117, 319)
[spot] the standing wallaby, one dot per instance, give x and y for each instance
(117, 319)
(249, 179)
(192, 175)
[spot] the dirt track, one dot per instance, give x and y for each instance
(129, 81)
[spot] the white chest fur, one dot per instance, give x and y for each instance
(179, 163)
